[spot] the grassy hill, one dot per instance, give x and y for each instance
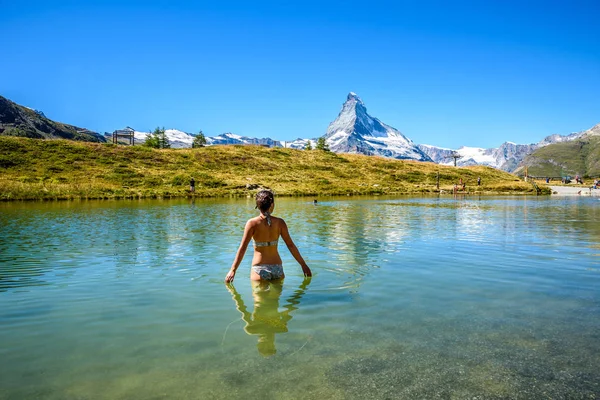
(62, 169)
(16, 120)
(579, 157)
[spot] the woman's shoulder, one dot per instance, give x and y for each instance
(279, 220)
(253, 221)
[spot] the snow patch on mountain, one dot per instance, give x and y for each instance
(177, 139)
(232, 138)
(430, 146)
(300, 144)
(477, 155)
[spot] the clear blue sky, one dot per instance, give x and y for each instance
(447, 73)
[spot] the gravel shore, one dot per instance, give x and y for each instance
(578, 190)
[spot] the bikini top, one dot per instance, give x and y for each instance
(265, 244)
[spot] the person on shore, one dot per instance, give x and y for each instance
(192, 185)
(478, 181)
(265, 230)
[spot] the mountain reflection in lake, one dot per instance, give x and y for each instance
(410, 298)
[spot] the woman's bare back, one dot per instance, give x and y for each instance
(266, 237)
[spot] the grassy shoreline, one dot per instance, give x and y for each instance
(33, 169)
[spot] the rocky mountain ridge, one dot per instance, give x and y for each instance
(17, 120)
(580, 156)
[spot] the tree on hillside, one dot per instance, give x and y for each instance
(322, 144)
(308, 146)
(199, 140)
(158, 139)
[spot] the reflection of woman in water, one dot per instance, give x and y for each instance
(265, 230)
(266, 320)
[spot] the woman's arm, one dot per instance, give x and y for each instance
(285, 234)
(248, 232)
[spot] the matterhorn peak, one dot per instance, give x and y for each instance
(355, 131)
(354, 97)
(352, 102)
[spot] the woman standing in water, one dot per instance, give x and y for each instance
(265, 230)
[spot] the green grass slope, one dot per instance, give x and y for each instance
(579, 157)
(62, 169)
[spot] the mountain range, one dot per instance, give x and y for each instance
(354, 130)
(506, 157)
(579, 156)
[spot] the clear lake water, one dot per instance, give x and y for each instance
(411, 298)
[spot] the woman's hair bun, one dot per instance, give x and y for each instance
(264, 199)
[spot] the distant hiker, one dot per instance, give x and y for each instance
(315, 201)
(266, 230)
(478, 181)
(547, 180)
(192, 185)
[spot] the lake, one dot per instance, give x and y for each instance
(412, 297)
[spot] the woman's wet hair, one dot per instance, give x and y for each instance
(264, 199)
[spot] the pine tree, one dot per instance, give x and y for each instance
(158, 139)
(199, 140)
(308, 146)
(152, 140)
(322, 144)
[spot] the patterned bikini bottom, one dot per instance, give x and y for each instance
(268, 272)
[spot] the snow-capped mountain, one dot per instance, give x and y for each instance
(506, 157)
(177, 139)
(232, 138)
(300, 144)
(355, 131)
